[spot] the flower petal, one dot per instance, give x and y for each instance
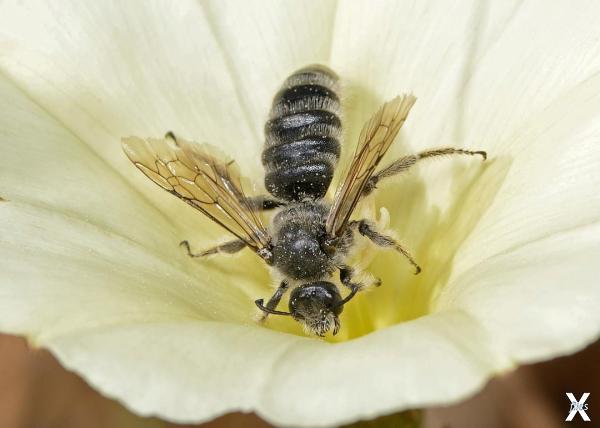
(549, 288)
(46, 166)
(478, 77)
(136, 82)
(81, 248)
(416, 48)
(552, 183)
(192, 371)
(75, 276)
(161, 67)
(271, 39)
(541, 236)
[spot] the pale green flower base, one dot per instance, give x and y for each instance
(509, 248)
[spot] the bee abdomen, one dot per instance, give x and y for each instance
(302, 135)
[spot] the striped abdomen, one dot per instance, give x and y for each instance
(302, 147)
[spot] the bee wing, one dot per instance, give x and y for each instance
(375, 139)
(197, 177)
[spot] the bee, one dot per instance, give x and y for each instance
(309, 238)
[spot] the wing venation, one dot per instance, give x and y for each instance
(197, 176)
(375, 139)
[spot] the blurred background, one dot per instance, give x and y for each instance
(36, 392)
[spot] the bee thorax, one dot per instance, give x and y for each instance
(298, 254)
(298, 250)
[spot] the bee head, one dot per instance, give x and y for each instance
(317, 306)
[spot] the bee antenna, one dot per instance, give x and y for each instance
(349, 297)
(259, 303)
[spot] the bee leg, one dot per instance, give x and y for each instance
(346, 275)
(275, 298)
(263, 203)
(404, 163)
(230, 247)
(366, 228)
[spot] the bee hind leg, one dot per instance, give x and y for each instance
(230, 247)
(367, 229)
(406, 162)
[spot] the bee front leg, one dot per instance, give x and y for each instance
(346, 276)
(275, 299)
(367, 229)
(230, 247)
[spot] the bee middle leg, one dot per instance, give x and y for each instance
(230, 247)
(367, 229)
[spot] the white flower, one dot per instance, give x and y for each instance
(90, 263)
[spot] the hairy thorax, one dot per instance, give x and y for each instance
(298, 236)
